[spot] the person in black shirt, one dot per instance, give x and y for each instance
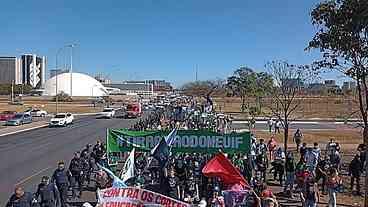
(47, 193)
(321, 173)
(61, 178)
(303, 150)
(173, 185)
(98, 152)
(290, 173)
(20, 198)
(181, 173)
(355, 170)
(76, 168)
(191, 189)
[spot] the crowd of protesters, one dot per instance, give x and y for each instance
(53, 190)
(303, 173)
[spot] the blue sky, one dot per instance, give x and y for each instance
(165, 39)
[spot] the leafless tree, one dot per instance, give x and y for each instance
(288, 83)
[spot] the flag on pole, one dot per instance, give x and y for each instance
(162, 150)
(128, 170)
(221, 167)
(117, 182)
(170, 138)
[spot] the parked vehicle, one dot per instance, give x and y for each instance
(107, 113)
(134, 110)
(62, 119)
(7, 115)
(19, 119)
(36, 112)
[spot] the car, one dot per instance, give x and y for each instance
(38, 113)
(19, 119)
(62, 119)
(107, 113)
(6, 115)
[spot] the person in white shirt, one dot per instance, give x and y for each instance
(270, 124)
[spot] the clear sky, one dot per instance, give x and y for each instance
(165, 39)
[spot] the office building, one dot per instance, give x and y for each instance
(33, 70)
(349, 86)
(10, 70)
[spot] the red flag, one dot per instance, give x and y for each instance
(221, 167)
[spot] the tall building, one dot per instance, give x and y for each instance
(10, 70)
(33, 70)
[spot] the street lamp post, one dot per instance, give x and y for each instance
(71, 68)
(56, 79)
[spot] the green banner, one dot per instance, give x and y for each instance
(189, 141)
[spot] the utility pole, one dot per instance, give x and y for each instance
(56, 81)
(12, 92)
(71, 70)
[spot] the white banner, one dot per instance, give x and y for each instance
(135, 197)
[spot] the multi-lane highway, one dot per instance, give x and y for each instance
(27, 156)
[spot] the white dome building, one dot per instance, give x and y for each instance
(82, 85)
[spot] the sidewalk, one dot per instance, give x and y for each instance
(8, 130)
(261, 119)
(312, 120)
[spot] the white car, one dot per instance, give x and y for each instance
(62, 119)
(107, 113)
(38, 113)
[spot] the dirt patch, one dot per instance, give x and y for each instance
(310, 107)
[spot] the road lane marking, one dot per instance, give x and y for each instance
(30, 177)
(24, 130)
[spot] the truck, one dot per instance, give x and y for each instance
(134, 110)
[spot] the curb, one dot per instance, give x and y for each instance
(316, 120)
(295, 122)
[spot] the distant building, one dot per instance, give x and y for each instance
(349, 86)
(330, 83)
(130, 88)
(54, 72)
(33, 69)
(10, 70)
(331, 87)
(293, 83)
(83, 85)
(160, 85)
(316, 88)
(102, 80)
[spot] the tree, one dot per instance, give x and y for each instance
(202, 88)
(342, 38)
(288, 80)
(247, 83)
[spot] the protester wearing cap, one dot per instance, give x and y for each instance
(61, 178)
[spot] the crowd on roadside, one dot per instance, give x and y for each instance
(53, 190)
(303, 173)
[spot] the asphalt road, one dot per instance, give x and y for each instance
(26, 157)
